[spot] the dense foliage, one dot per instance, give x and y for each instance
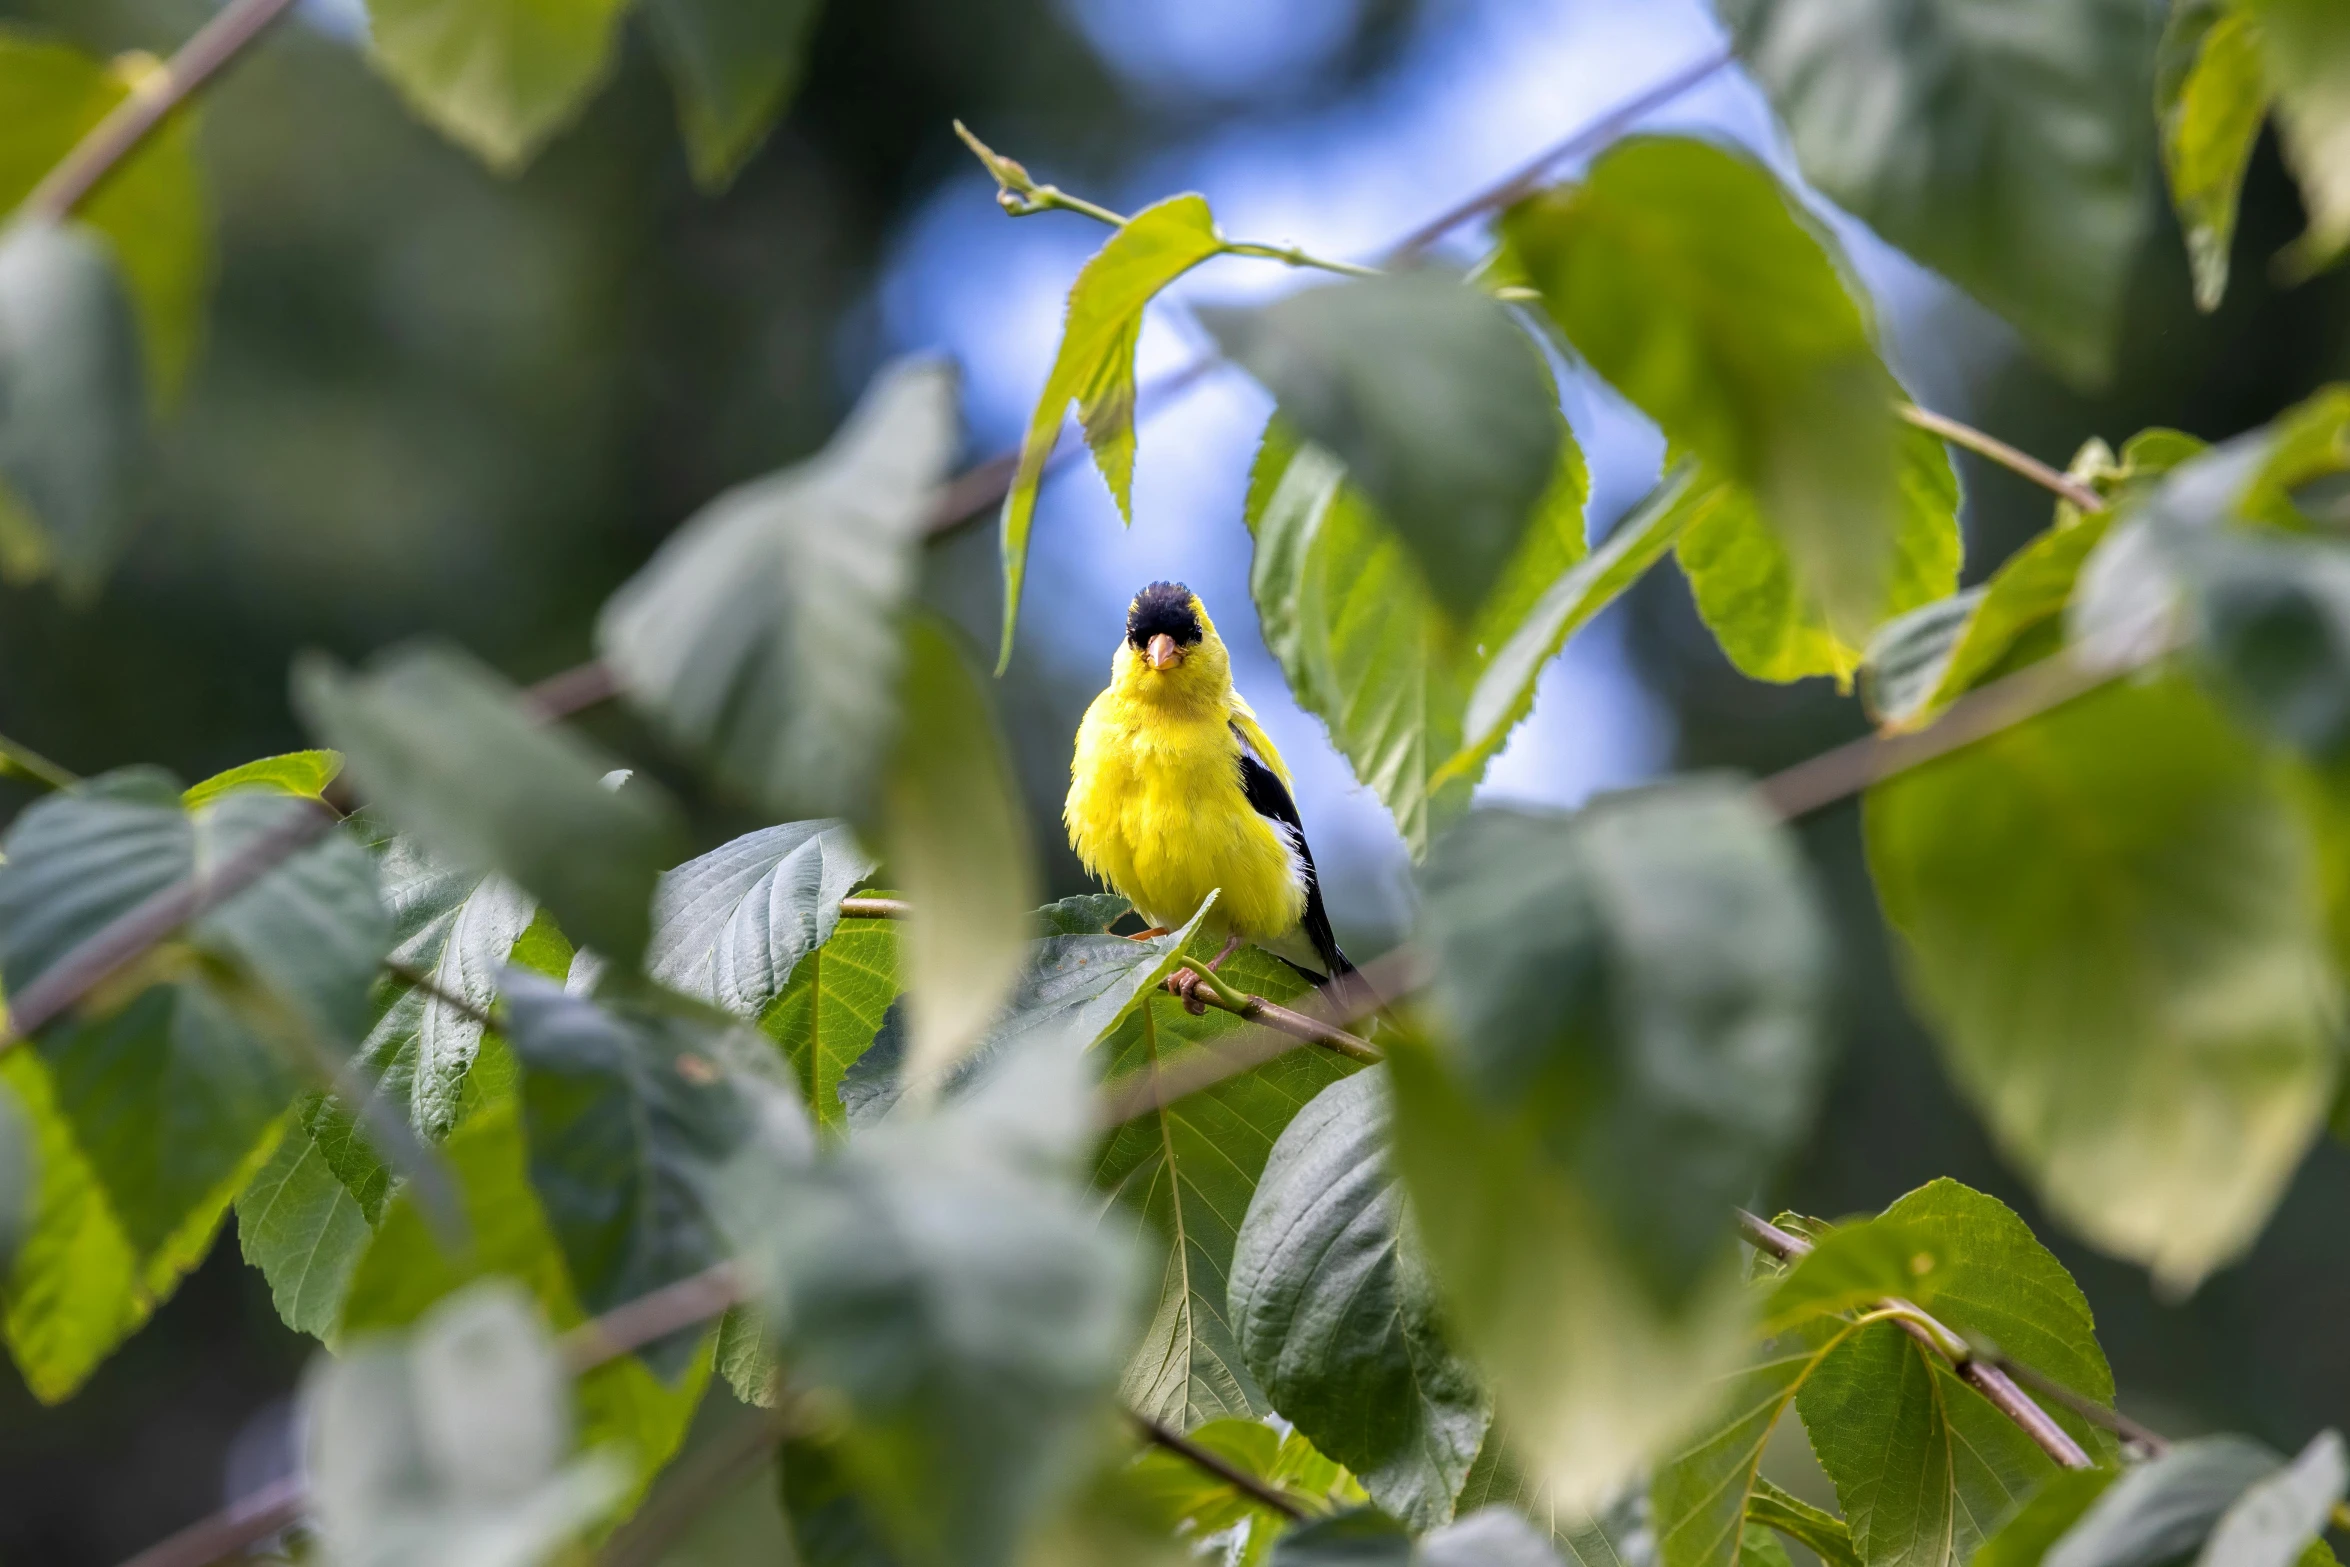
(546, 1130)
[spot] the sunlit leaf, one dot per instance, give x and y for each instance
(828, 1016)
(2110, 912)
(301, 1222)
(497, 76)
(1336, 1315)
(306, 773)
(764, 634)
(1686, 275)
(1094, 368)
(957, 842)
(1440, 408)
(451, 754)
(1195, 1505)
(1853, 1266)
(730, 927)
(1988, 138)
(2212, 99)
(73, 422)
(734, 65)
(1702, 1495)
(1365, 645)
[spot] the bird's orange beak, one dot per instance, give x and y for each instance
(1162, 652)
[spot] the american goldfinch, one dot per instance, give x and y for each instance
(1176, 792)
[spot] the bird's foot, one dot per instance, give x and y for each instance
(1152, 934)
(1231, 945)
(1187, 983)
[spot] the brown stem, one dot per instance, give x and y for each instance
(875, 908)
(417, 979)
(1998, 451)
(115, 137)
(246, 1521)
(633, 1324)
(24, 760)
(1231, 1474)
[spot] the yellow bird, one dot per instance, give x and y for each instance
(1176, 792)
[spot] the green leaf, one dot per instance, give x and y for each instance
(2110, 914)
(639, 1111)
(764, 634)
(1703, 1496)
(1759, 1547)
(1850, 1267)
(2277, 1518)
(304, 1227)
(150, 207)
(303, 773)
(957, 840)
(1909, 656)
(452, 1445)
(405, 1272)
(732, 926)
(497, 76)
(1094, 368)
(734, 65)
(1360, 1537)
(1441, 410)
(2163, 1509)
(943, 1276)
(2305, 53)
(1087, 914)
(1196, 1506)
(1365, 646)
(1687, 277)
(2046, 1514)
(1189, 1168)
(1504, 692)
(458, 928)
(2211, 97)
(1643, 981)
(453, 754)
(177, 1073)
(1981, 136)
(1492, 1537)
(73, 427)
(1337, 1317)
(1822, 1533)
(1748, 593)
(827, 1017)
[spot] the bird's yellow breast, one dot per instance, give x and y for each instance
(1156, 809)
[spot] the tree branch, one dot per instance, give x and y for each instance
(1998, 451)
(115, 137)
(1231, 1474)
(417, 979)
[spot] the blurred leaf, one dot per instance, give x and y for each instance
(497, 76)
(829, 1013)
(1851, 1267)
(1196, 1506)
(2024, 1537)
(1492, 1537)
(2305, 51)
(2003, 143)
(1642, 980)
(2211, 98)
(150, 208)
(743, 1527)
(1504, 692)
(1087, 914)
(1337, 1317)
(1364, 645)
(458, 928)
(1820, 1532)
(734, 65)
(764, 634)
(405, 1272)
(2111, 914)
(638, 1112)
(1361, 1537)
(1910, 655)
(301, 1223)
(832, 1526)
(943, 1276)
(957, 841)
(304, 773)
(1686, 276)
(731, 926)
(2273, 617)
(1703, 1495)
(451, 753)
(2163, 1509)
(2276, 1518)
(1747, 591)
(1441, 410)
(73, 417)
(451, 1446)
(1094, 368)
(1189, 1168)
(175, 1073)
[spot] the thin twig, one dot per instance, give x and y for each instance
(1984, 1377)
(648, 1319)
(417, 979)
(130, 122)
(1231, 1474)
(1998, 451)
(245, 1522)
(875, 908)
(22, 759)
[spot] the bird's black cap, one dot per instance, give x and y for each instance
(1162, 607)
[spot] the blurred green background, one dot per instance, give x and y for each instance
(434, 401)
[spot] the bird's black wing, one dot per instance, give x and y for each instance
(1269, 798)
